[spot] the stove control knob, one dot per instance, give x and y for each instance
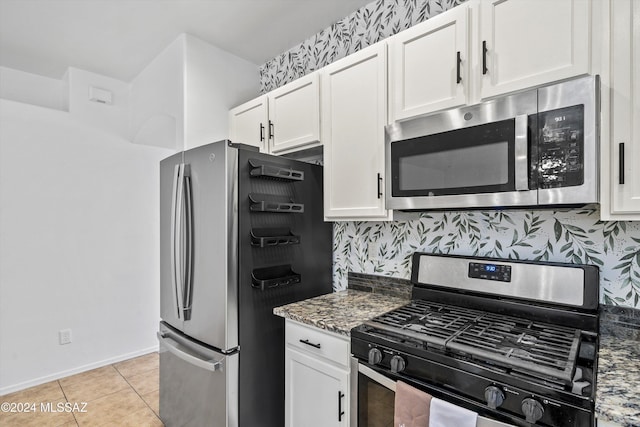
(532, 409)
(375, 356)
(494, 396)
(397, 364)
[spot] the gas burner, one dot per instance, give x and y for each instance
(516, 351)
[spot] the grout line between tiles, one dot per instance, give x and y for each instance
(75, 420)
(139, 395)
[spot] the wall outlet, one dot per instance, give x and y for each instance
(64, 336)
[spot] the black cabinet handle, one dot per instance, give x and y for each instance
(621, 162)
(310, 343)
(484, 57)
(261, 132)
(458, 63)
(340, 411)
(271, 134)
(379, 186)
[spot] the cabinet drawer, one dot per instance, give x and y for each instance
(317, 342)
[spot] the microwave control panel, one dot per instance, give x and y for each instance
(561, 147)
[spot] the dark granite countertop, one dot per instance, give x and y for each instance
(618, 393)
(340, 311)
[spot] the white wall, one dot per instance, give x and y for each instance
(182, 98)
(215, 81)
(79, 226)
(32, 89)
(78, 245)
(157, 100)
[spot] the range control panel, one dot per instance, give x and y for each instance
(488, 271)
(561, 147)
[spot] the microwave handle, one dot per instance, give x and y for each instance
(521, 152)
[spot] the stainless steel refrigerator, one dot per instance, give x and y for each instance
(240, 233)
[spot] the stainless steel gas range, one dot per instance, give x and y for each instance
(514, 341)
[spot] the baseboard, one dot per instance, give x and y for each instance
(78, 370)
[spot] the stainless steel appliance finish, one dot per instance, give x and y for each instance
(544, 283)
(510, 358)
(538, 147)
(202, 184)
(190, 373)
(240, 233)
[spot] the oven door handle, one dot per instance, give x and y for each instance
(358, 368)
(521, 152)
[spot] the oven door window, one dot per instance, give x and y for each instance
(375, 403)
(477, 159)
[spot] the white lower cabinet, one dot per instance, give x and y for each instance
(316, 377)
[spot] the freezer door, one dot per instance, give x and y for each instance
(211, 314)
(170, 286)
(198, 386)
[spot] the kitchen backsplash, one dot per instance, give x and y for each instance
(576, 236)
(384, 248)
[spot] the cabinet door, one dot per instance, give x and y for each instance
(316, 392)
(248, 123)
(294, 114)
(625, 108)
(353, 111)
(527, 43)
(428, 65)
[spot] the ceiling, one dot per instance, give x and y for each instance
(118, 38)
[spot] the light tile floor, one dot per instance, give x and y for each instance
(122, 394)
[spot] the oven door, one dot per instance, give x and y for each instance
(373, 398)
(475, 156)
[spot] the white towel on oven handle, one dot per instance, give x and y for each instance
(445, 414)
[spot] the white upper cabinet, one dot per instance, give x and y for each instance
(294, 114)
(624, 147)
(428, 65)
(354, 113)
(248, 123)
(526, 43)
(284, 120)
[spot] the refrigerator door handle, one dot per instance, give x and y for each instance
(172, 346)
(188, 270)
(176, 207)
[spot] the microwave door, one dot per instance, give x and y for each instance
(486, 165)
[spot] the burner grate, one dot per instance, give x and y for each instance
(546, 349)
(510, 342)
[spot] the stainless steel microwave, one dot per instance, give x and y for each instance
(534, 148)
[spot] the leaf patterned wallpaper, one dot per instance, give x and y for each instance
(384, 248)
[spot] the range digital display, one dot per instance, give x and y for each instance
(497, 272)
